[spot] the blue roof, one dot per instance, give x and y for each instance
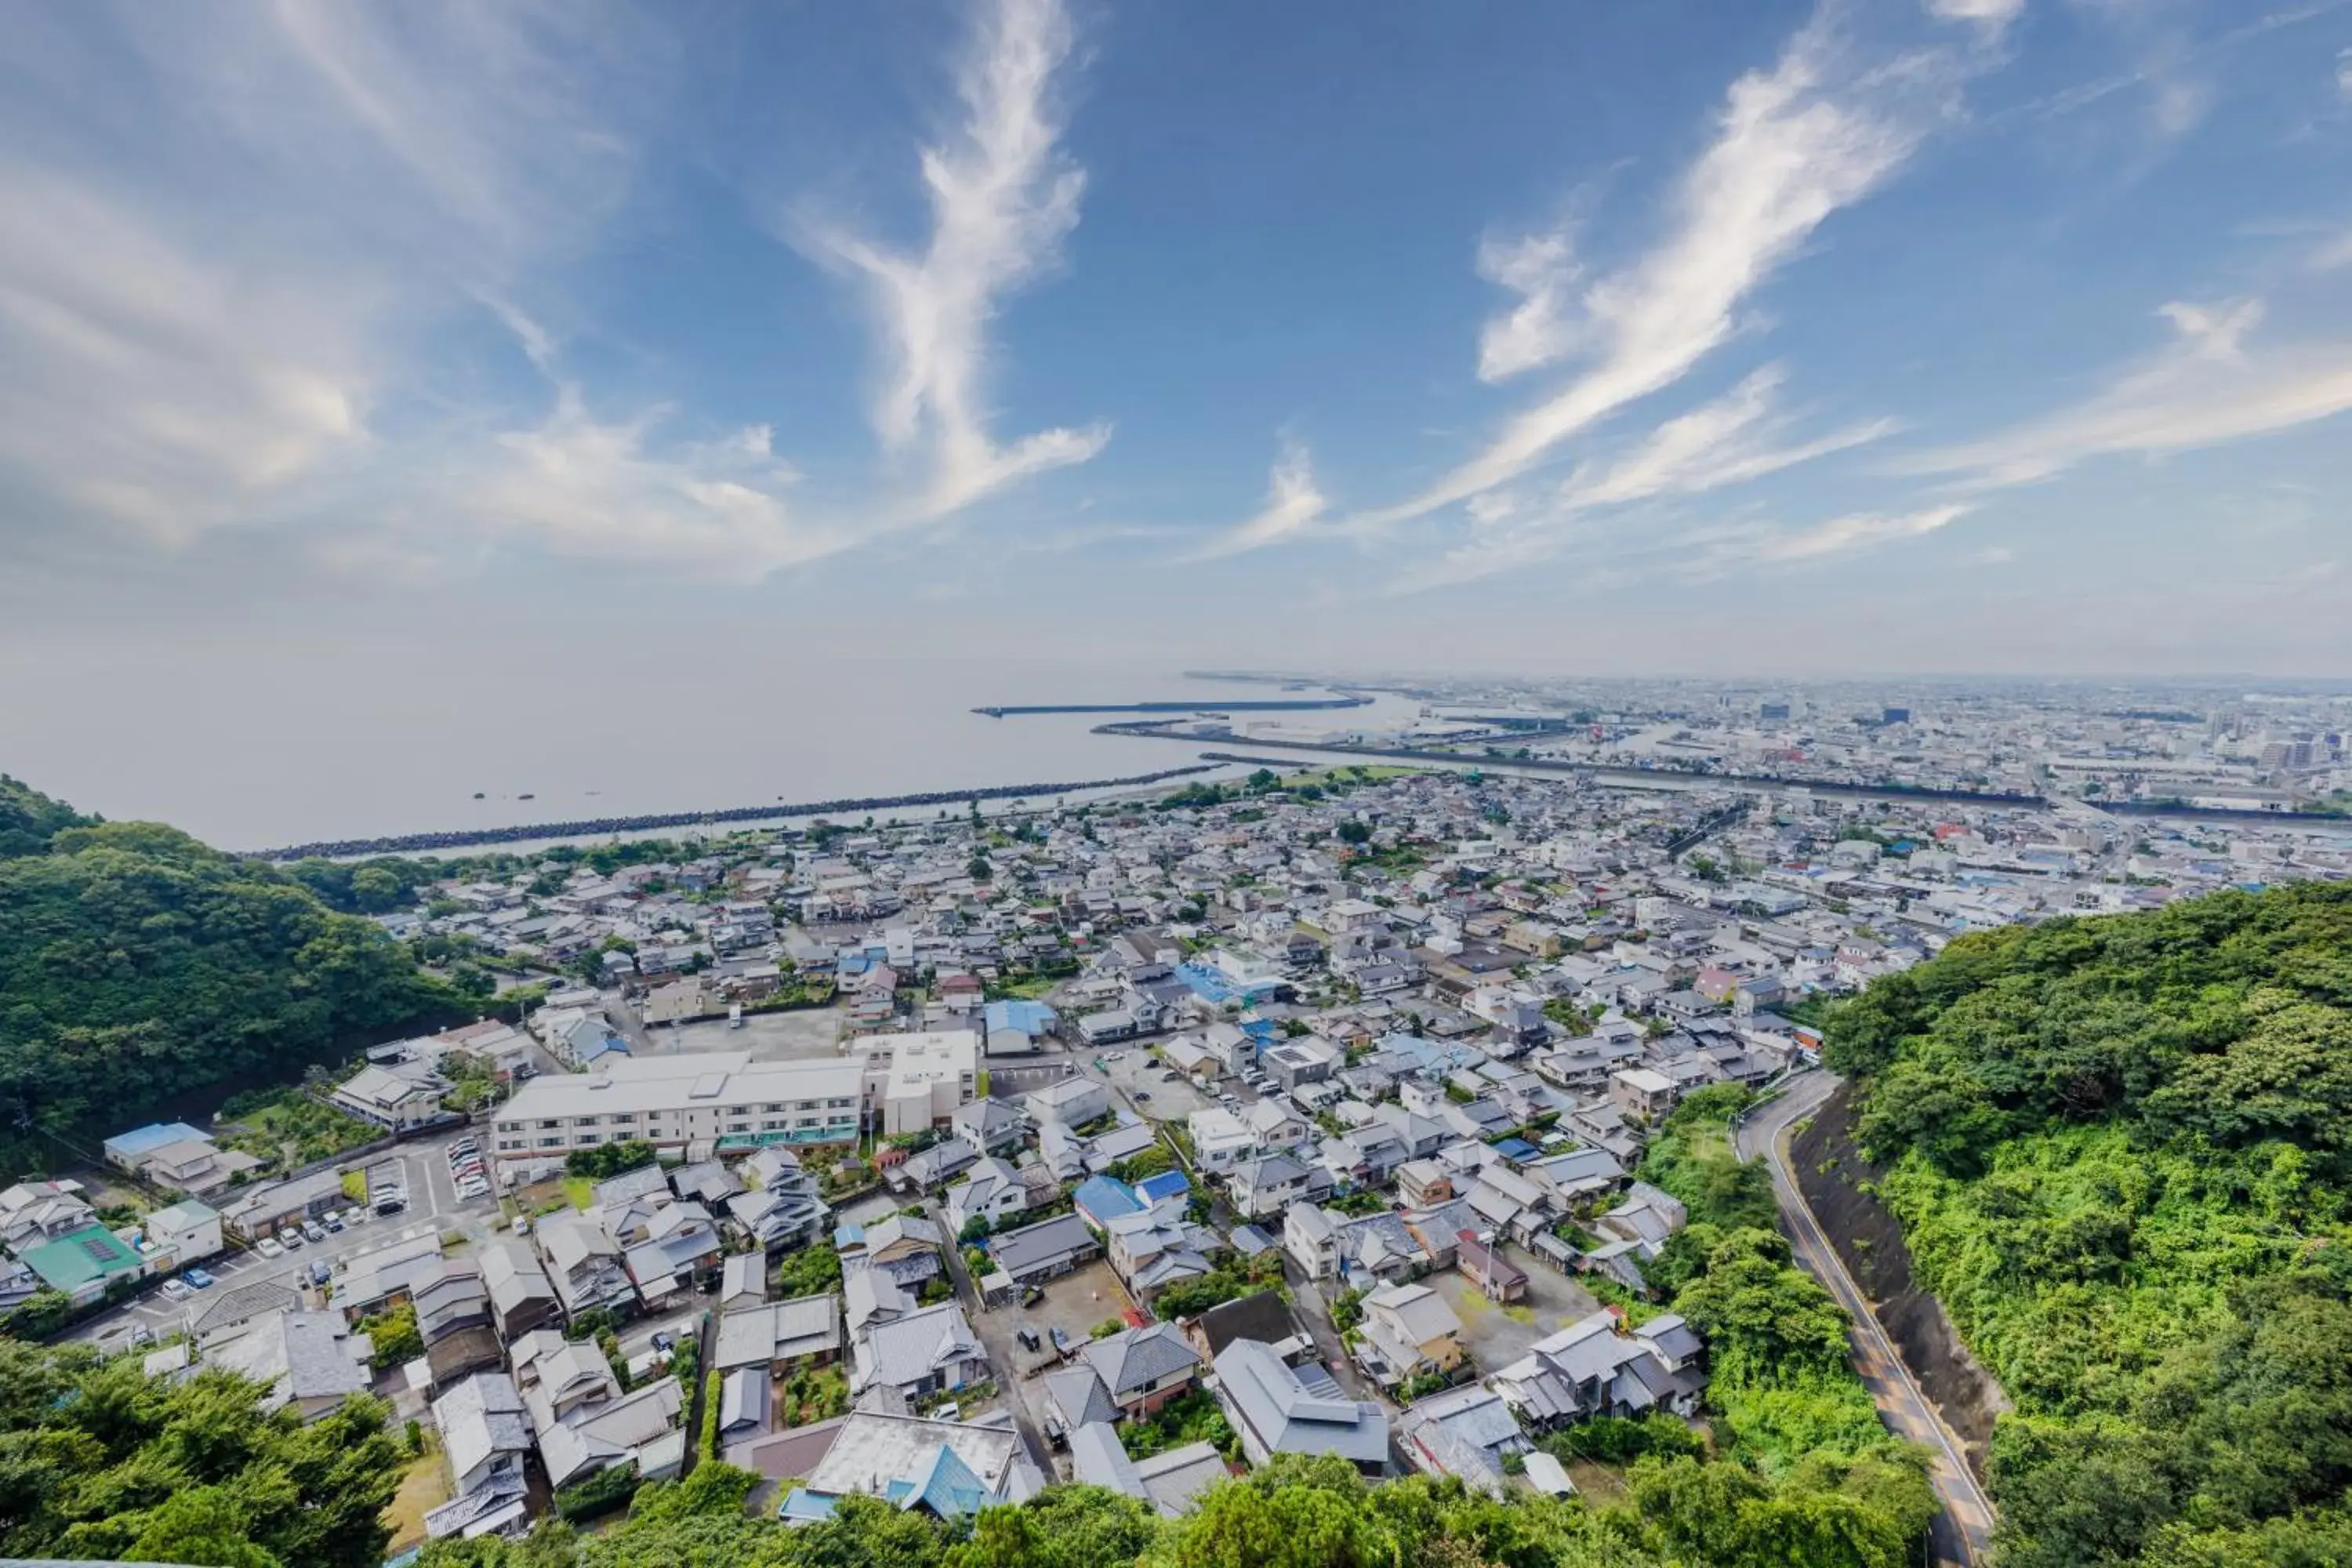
(1206, 982)
(848, 1236)
(1515, 1149)
(946, 1486)
(1105, 1199)
(1029, 1017)
(1166, 1184)
(153, 1136)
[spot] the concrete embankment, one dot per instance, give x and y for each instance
(1869, 1240)
(525, 832)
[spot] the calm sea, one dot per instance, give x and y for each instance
(249, 769)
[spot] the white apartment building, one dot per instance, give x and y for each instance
(926, 1077)
(1220, 1139)
(693, 1105)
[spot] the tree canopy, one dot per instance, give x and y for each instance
(97, 1460)
(2121, 1150)
(29, 819)
(1295, 1513)
(137, 964)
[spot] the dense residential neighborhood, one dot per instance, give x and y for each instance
(1131, 1144)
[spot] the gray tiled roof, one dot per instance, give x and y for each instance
(1079, 1393)
(1134, 1359)
(1298, 1411)
(1038, 1246)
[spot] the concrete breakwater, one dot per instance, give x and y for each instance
(586, 827)
(1285, 705)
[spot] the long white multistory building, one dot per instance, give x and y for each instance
(700, 1105)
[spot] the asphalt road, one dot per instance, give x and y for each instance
(1962, 1533)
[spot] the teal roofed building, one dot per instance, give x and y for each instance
(946, 1487)
(83, 1263)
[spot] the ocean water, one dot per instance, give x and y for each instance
(264, 754)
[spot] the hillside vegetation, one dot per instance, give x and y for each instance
(1783, 1395)
(97, 1462)
(137, 964)
(2121, 1150)
(1293, 1514)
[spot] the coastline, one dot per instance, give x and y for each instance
(608, 826)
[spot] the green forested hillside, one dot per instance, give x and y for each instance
(2121, 1150)
(29, 819)
(136, 963)
(99, 1461)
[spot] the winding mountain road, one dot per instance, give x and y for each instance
(1962, 1534)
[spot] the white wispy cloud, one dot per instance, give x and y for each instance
(2211, 385)
(1709, 553)
(1994, 16)
(210, 286)
(1544, 326)
(148, 385)
(1838, 536)
(597, 490)
(1293, 505)
(505, 130)
(1003, 196)
(1739, 438)
(1815, 132)
(1735, 439)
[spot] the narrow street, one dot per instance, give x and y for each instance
(1306, 1295)
(1003, 1357)
(1962, 1534)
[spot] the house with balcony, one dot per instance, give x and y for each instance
(1409, 1331)
(1270, 1183)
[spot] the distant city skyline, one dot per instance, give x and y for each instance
(367, 345)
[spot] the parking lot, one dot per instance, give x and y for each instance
(434, 1203)
(1497, 1335)
(1136, 1076)
(1075, 1303)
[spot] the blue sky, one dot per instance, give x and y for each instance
(1878, 334)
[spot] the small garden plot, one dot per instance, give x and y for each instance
(288, 1129)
